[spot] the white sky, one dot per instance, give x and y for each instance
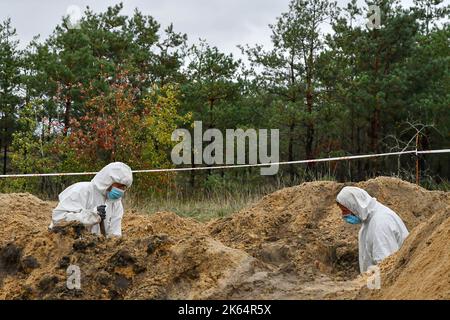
(223, 23)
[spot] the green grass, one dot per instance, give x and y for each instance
(201, 210)
(216, 197)
(204, 206)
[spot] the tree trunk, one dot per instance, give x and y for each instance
(375, 120)
(1, 136)
(67, 115)
(375, 129)
(291, 150)
(5, 143)
(210, 125)
(358, 151)
(309, 128)
(424, 144)
(5, 155)
(192, 173)
(309, 106)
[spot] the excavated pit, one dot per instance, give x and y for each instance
(292, 244)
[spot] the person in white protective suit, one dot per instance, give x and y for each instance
(382, 232)
(96, 204)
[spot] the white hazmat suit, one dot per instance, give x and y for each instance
(79, 202)
(382, 232)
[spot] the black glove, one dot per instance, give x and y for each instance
(101, 211)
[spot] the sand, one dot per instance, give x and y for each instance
(292, 244)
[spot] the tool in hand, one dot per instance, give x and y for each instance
(101, 211)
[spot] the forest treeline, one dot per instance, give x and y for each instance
(114, 88)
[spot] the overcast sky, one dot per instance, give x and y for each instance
(223, 23)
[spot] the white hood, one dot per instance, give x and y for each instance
(382, 232)
(358, 201)
(116, 172)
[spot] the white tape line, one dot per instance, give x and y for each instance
(434, 151)
(278, 163)
(235, 166)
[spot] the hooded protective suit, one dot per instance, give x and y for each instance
(79, 201)
(382, 232)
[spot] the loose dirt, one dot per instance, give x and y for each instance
(292, 244)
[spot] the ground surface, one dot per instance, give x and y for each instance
(292, 244)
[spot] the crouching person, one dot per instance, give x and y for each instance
(382, 231)
(96, 204)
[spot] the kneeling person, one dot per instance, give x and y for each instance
(96, 204)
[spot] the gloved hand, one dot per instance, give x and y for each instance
(89, 217)
(101, 211)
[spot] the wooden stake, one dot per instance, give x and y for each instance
(417, 161)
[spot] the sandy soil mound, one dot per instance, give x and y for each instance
(21, 214)
(421, 268)
(161, 256)
(303, 225)
(298, 228)
(412, 203)
(290, 245)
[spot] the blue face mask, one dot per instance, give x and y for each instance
(115, 193)
(352, 219)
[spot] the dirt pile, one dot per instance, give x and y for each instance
(21, 213)
(298, 228)
(162, 256)
(412, 203)
(302, 224)
(290, 245)
(421, 268)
